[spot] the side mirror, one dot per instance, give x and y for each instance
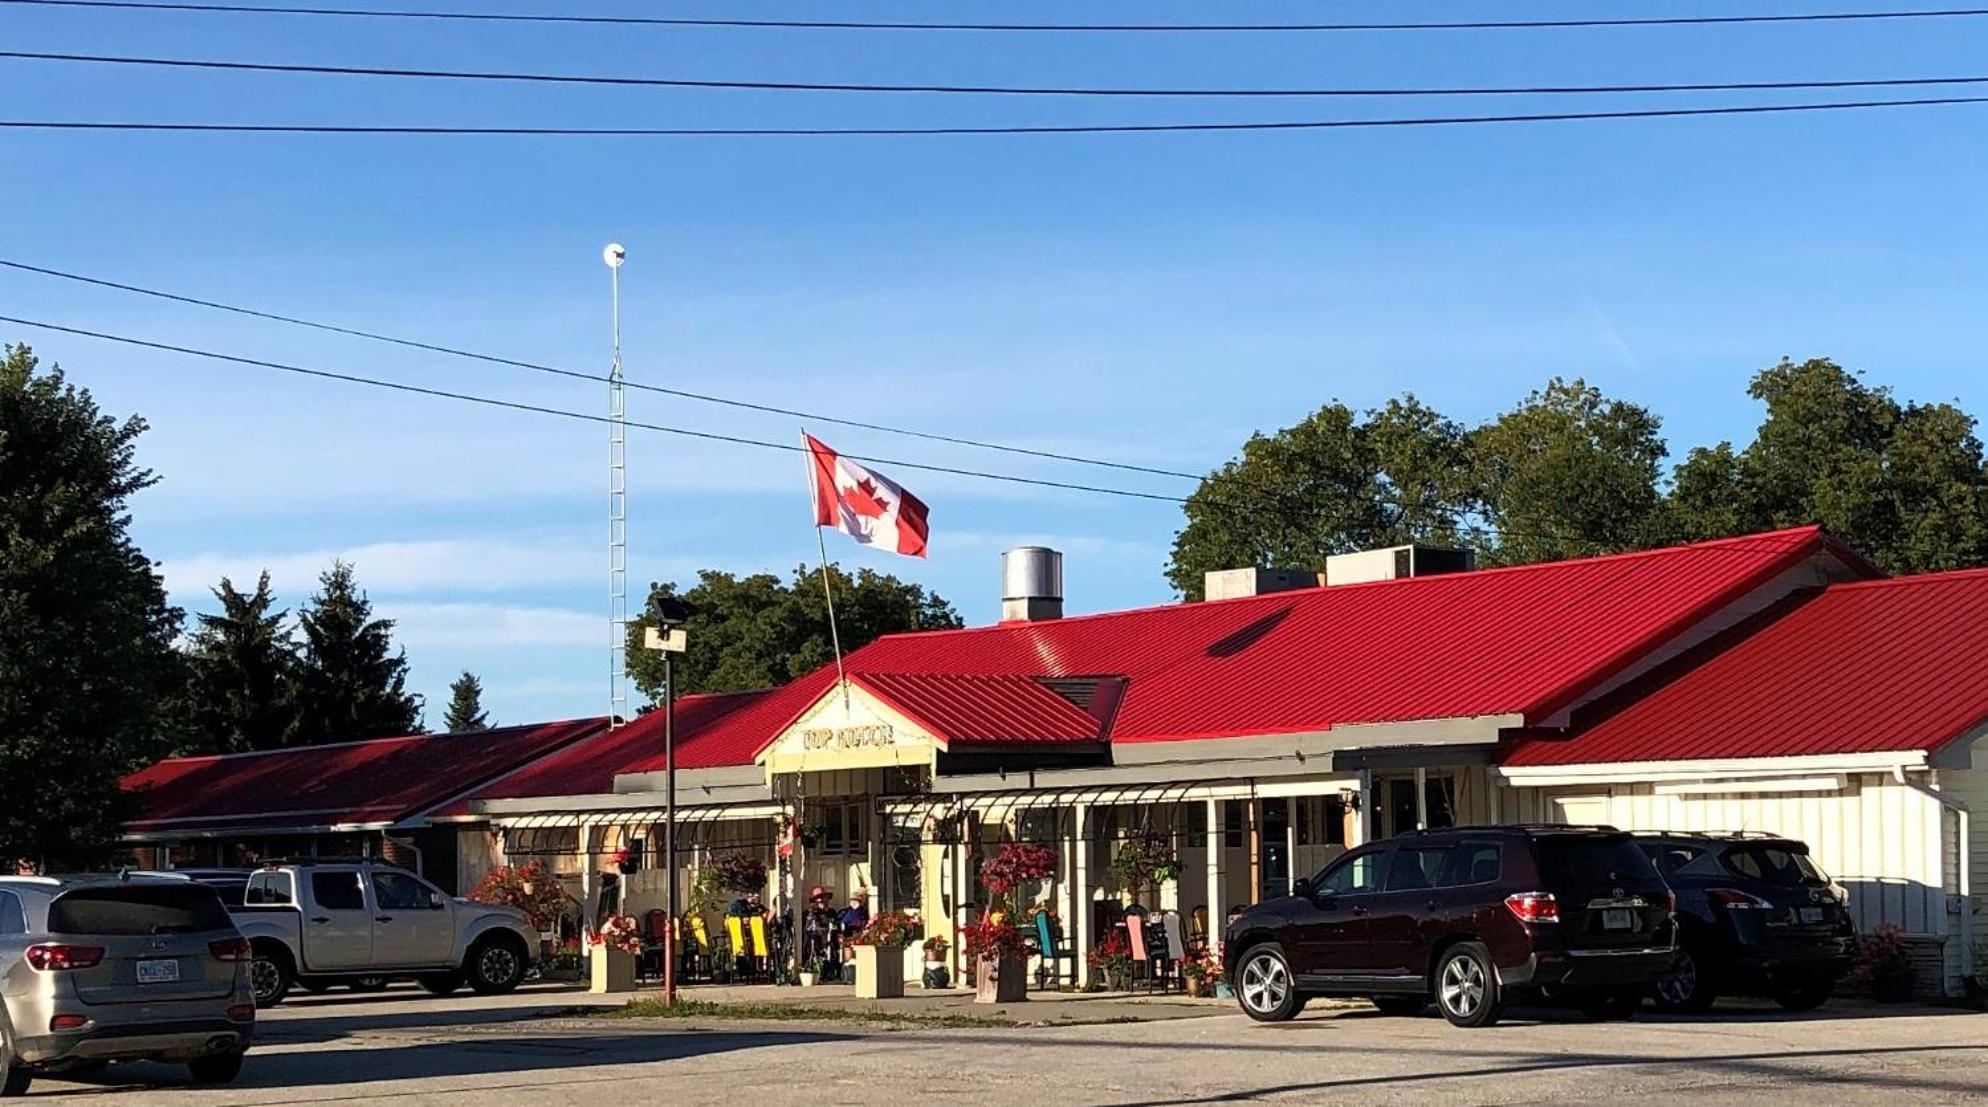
(1302, 887)
(436, 902)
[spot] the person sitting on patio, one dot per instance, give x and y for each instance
(746, 906)
(821, 945)
(856, 916)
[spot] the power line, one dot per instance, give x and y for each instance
(680, 393)
(1081, 28)
(899, 132)
(591, 79)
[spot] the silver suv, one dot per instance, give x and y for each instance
(96, 969)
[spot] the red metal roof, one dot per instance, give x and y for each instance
(589, 766)
(993, 709)
(1525, 640)
(383, 780)
(1876, 666)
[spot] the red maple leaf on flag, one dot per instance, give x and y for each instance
(863, 500)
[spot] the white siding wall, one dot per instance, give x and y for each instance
(1878, 838)
(1970, 786)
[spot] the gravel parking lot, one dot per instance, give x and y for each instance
(403, 1047)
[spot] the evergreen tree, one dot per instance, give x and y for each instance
(242, 670)
(85, 630)
(351, 682)
(465, 705)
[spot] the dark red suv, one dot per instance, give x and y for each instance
(1473, 918)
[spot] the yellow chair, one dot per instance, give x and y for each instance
(758, 936)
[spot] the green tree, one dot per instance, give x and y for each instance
(85, 629)
(1902, 484)
(465, 705)
(1569, 473)
(1334, 482)
(756, 631)
(351, 682)
(241, 674)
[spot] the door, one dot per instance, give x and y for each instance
(1329, 930)
(1273, 857)
(338, 922)
(1401, 918)
(414, 927)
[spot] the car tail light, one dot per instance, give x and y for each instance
(242, 1012)
(55, 958)
(1534, 907)
(1735, 899)
(232, 949)
(68, 1022)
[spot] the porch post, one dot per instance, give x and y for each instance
(1253, 814)
(1082, 895)
(1217, 845)
(586, 878)
(1421, 798)
(1290, 840)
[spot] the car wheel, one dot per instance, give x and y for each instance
(1805, 994)
(1401, 1006)
(367, 984)
(1265, 985)
(219, 1069)
(1684, 988)
(270, 976)
(1611, 1004)
(440, 983)
(496, 965)
(1467, 986)
(14, 1079)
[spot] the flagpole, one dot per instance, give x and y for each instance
(827, 594)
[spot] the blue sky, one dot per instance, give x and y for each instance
(1146, 298)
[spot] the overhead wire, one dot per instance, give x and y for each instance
(592, 79)
(138, 126)
(1067, 28)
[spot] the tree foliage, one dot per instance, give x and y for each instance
(241, 672)
(465, 705)
(757, 630)
(85, 629)
(351, 682)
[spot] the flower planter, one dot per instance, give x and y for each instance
(1892, 987)
(879, 972)
(1001, 979)
(1195, 989)
(611, 970)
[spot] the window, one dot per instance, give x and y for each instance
(1476, 863)
(124, 910)
(338, 891)
(1775, 865)
(1352, 875)
(842, 828)
(1306, 813)
(269, 888)
(1592, 859)
(1334, 820)
(1232, 824)
(1669, 857)
(401, 892)
(1417, 868)
(13, 920)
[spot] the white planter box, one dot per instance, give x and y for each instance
(879, 972)
(611, 971)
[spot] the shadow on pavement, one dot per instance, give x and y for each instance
(384, 1061)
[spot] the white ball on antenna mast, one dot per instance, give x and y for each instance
(614, 255)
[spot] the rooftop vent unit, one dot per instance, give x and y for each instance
(1229, 584)
(1396, 563)
(1031, 584)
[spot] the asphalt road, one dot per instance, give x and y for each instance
(404, 1048)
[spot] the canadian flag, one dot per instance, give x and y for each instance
(870, 508)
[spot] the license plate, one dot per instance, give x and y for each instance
(1811, 916)
(158, 972)
(1618, 918)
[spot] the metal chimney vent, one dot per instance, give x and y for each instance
(1031, 584)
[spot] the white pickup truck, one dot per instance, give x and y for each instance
(319, 923)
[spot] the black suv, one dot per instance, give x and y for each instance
(1471, 917)
(1754, 915)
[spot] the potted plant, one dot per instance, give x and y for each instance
(614, 950)
(996, 946)
(528, 888)
(1884, 966)
(1145, 859)
(1000, 960)
(1200, 974)
(739, 873)
(880, 955)
(1113, 959)
(936, 974)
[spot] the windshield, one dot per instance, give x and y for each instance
(1593, 860)
(129, 909)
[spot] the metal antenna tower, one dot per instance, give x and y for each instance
(617, 509)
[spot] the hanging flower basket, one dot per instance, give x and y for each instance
(1144, 860)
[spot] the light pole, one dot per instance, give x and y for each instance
(667, 615)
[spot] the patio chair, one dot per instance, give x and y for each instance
(737, 953)
(1052, 949)
(697, 960)
(650, 963)
(1142, 955)
(1178, 949)
(761, 955)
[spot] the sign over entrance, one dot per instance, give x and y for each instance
(856, 732)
